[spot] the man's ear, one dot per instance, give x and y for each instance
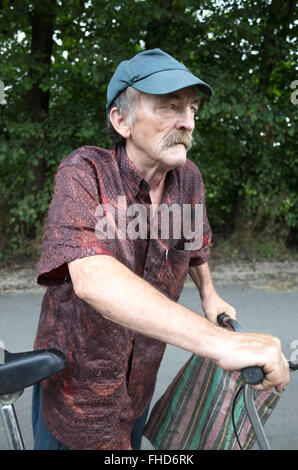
(120, 123)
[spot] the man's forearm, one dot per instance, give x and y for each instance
(125, 298)
(202, 278)
(121, 296)
(212, 304)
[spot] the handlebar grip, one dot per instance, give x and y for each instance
(293, 365)
(252, 375)
(225, 320)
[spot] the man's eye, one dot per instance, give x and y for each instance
(172, 106)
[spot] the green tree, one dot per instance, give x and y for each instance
(56, 60)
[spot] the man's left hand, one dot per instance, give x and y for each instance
(213, 305)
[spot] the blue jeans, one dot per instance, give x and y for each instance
(44, 440)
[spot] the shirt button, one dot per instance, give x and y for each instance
(144, 184)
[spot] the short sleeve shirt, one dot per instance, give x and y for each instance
(101, 206)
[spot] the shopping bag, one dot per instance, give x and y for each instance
(195, 412)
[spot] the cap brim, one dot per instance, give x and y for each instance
(168, 81)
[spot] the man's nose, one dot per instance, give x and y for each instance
(186, 121)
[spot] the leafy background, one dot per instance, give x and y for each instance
(56, 58)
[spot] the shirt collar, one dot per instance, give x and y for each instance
(136, 182)
(128, 170)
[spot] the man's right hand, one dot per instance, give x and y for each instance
(254, 349)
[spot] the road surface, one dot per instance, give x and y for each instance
(258, 310)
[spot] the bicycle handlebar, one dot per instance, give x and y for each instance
(293, 365)
(252, 375)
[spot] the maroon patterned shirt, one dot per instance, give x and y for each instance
(94, 402)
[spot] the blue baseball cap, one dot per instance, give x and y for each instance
(154, 72)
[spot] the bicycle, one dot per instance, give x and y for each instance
(22, 370)
(251, 376)
(17, 372)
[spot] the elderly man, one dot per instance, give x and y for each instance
(111, 303)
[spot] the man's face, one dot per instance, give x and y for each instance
(160, 135)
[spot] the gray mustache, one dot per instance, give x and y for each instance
(178, 138)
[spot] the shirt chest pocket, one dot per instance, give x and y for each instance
(174, 271)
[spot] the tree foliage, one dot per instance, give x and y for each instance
(56, 60)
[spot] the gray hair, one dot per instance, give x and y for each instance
(126, 104)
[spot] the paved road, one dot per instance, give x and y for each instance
(258, 310)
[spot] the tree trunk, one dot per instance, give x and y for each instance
(42, 21)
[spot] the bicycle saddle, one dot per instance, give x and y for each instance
(21, 370)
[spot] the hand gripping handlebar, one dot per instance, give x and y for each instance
(252, 375)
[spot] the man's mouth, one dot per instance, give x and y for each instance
(181, 143)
